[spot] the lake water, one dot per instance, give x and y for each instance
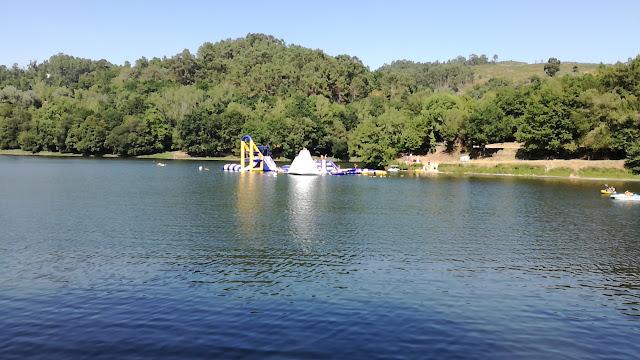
(114, 258)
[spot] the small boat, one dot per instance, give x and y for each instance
(393, 168)
(608, 190)
(625, 197)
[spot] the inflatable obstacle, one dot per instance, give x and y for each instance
(252, 158)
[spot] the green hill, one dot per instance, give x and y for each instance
(518, 72)
(291, 97)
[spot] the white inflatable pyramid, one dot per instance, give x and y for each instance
(303, 164)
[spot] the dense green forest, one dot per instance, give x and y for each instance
(290, 97)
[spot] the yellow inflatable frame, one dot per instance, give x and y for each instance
(249, 151)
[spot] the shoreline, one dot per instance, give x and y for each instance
(540, 176)
(173, 155)
(560, 169)
(178, 155)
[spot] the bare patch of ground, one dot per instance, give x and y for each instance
(506, 154)
(180, 155)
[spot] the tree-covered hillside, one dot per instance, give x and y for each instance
(290, 97)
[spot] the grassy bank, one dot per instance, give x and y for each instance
(539, 170)
(169, 155)
(175, 155)
(46, 153)
(179, 155)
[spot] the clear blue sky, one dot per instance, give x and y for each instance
(377, 32)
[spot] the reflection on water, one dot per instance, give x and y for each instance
(117, 259)
(305, 196)
(250, 203)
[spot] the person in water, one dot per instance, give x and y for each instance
(628, 193)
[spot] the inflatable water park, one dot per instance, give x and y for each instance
(254, 158)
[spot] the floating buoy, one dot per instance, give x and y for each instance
(231, 167)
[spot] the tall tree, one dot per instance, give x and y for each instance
(552, 67)
(88, 137)
(377, 140)
(547, 129)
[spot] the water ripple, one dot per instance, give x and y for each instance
(123, 259)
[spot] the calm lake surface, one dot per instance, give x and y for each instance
(114, 258)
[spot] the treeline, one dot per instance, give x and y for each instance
(291, 97)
